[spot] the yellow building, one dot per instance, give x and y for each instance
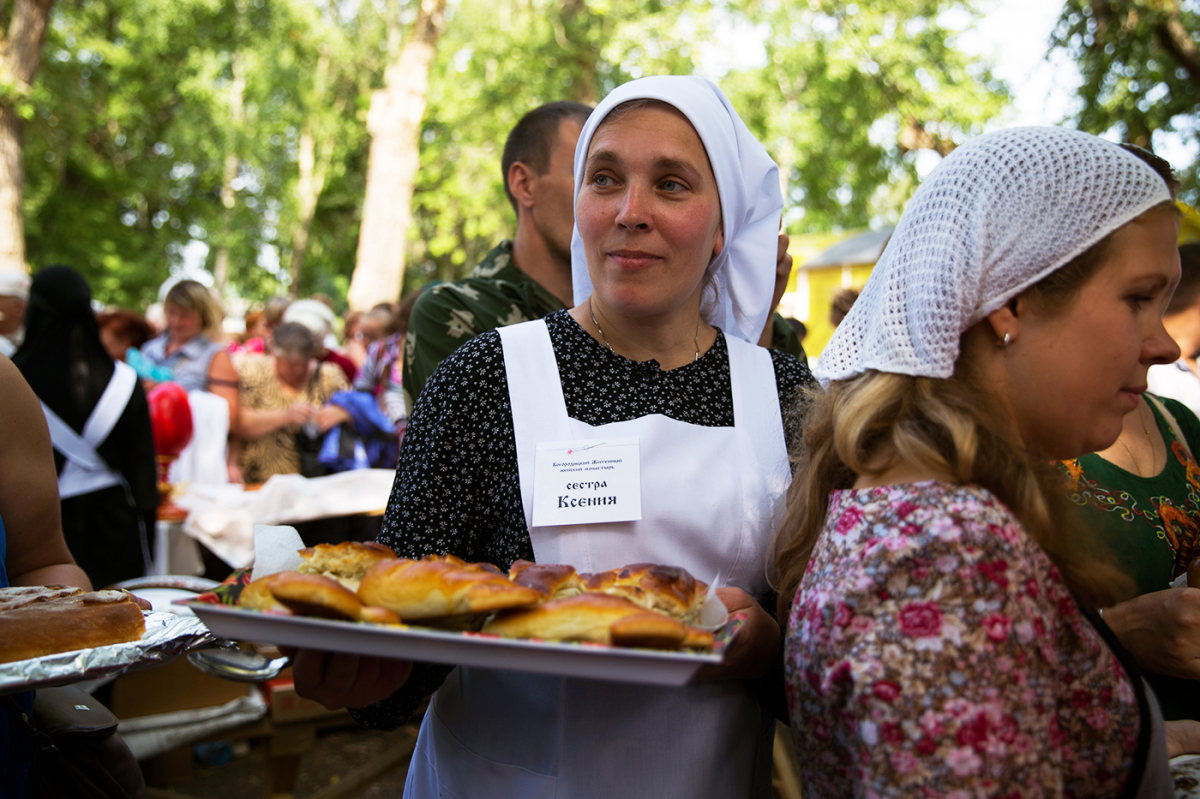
(822, 265)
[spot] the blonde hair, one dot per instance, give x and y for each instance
(193, 296)
(863, 425)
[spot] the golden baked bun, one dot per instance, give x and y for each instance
(666, 589)
(432, 588)
(256, 595)
(346, 562)
(555, 580)
(599, 618)
(55, 622)
(312, 595)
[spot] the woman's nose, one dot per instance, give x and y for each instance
(1160, 347)
(633, 211)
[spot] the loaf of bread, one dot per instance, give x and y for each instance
(56, 619)
(599, 618)
(310, 595)
(438, 587)
(346, 562)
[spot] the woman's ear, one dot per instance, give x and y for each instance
(719, 243)
(1005, 322)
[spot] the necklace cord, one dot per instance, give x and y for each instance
(604, 338)
(1150, 441)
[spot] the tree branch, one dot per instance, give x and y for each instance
(1176, 40)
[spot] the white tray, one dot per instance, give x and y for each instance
(592, 661)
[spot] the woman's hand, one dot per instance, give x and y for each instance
(298, 413)
(1183, 737)
(338, 680)
(753, 649)
(1161, 630)
(331, 416)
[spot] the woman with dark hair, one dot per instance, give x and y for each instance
(100, 427)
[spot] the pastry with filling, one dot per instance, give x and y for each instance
(346, 562)
(445, 591)
(598, 618)
(555, 580)
(311, 595)
(38, 623)
(666, 589)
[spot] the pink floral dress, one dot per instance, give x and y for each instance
(933, 650)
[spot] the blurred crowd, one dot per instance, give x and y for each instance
(291, 388)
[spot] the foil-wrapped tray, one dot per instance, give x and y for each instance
(167, 637)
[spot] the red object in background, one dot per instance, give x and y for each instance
(171, 418)
(171, 421)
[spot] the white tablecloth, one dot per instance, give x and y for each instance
(222, 517)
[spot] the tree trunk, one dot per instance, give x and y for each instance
(308, 190)
(233, 162)
(394, 122)
(20, 54)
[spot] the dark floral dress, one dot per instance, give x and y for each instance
(934, 650)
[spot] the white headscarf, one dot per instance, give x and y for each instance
(748, 184)
(999, 214)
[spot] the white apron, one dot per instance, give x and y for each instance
(709, 495)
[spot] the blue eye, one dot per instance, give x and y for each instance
(672, 185)
(602, 180)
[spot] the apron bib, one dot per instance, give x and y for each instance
(709, 496)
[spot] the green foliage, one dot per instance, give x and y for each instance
(850, 91)
(498, 60)
(1138, 77)
(120, 153)
(134, 117)
(136, 110)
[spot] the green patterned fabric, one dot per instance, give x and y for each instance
(1148, 525)
(495, 294)
(445, 317)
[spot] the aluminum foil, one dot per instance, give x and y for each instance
(167, 637)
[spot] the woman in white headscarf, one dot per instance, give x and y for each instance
(677, 212)
(941, 638)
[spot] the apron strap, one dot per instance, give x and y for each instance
(534, 388)
(756, 413)
(751, 368)
(85, 471)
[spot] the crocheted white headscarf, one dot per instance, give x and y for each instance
(751, 202)
(999, 214)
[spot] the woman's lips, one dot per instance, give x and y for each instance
(633, 259)
(1133, 394)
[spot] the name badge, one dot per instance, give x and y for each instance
(587, 482)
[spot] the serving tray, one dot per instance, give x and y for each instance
(591, 661)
